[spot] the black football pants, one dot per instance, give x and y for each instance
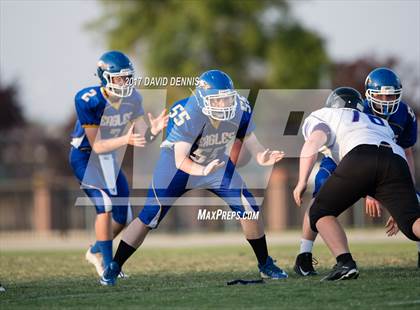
(374, 171)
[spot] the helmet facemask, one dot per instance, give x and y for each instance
(220, 104)
(122, 89)
(384, 107)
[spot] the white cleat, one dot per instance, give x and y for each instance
(2, 289)
(95, 260)
(123, 275)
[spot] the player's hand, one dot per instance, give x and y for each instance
(298, 192)
(391, 227)
(135, 139)
(212, 167)
(373, 207)
(157, 124)
(268, 158)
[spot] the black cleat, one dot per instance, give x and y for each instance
(418, 261)
(304, 265)
(342, 271)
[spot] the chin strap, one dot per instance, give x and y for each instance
(245, 282)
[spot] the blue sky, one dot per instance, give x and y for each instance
(46, 50)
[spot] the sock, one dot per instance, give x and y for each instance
(124, 251)
(418, 246)
(306, 246)
(106, 250)
(344, 258)
(260, 249)
(95, 248)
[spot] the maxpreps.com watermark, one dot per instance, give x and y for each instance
(219, 214)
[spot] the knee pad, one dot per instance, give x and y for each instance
(320, 178)
(316, 213)
(120, 214)
(313, 218)
(100, 199)
(406, 227)
(152, 215)
(129, 215)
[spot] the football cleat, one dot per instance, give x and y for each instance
(110, 275)
(2, 289)
(418, 261)
(304, 265)
(271, 270)
(96, 260)
(123, 275)
(340, 271)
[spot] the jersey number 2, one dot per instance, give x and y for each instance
(86, 96)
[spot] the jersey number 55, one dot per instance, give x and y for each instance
(179, 115)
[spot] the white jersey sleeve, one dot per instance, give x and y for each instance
(350, 128)
(318, 120)
(315, 122)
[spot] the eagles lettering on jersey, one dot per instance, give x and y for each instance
(94, 110)
(349, 128)
(403, 122)
(188, 123)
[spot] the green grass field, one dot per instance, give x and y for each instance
(196, 278)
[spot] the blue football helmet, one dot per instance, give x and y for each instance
(383, 81)
(116, 72)
(217, 95)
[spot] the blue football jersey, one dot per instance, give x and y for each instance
(403, 122)
(94, 110)
(188, 123)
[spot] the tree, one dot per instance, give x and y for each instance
(11, 112)
(354, 73)
(258, 43)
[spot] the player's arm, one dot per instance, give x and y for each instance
(100, 145)
(408, 139)
(308, 157)
(184, 162)
(263, 156)
(156, 125)
(86, 109)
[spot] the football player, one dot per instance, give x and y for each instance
(199, 130)
(106, 116)
(370, 163)
(383, 98)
